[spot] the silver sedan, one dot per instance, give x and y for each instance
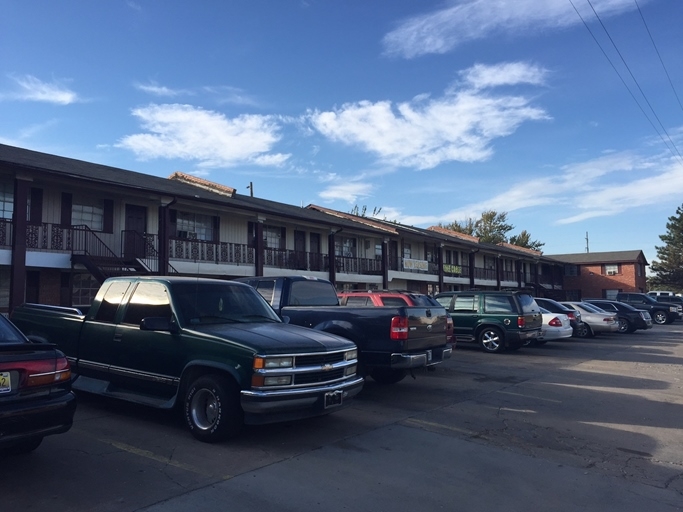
(595, 320)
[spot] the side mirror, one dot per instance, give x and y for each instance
(285, 319)
(158, 323)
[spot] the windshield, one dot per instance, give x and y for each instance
(214, 303)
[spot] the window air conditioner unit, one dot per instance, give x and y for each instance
(611, 272)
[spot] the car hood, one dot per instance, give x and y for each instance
(275, 338)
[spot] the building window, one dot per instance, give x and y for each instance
(611, 270)
(489, 261)
(610, 294)
(194, 226)
(571, 270)
(345, 247)
(378, 251)
(87, 212)
(6, 201)
(273, 237)
(407, 251)
(84, 289)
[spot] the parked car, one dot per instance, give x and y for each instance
(630, 319)
(671, 299)
(555, 307)
(391, 298)
(595, 320)
(661, 312)
(556, 326)
(661, 293)
(35, 391)
(496, 320)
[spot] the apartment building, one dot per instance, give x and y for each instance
(66, 225)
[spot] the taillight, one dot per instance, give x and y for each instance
(399, 328)
(521, 322)
(571, 315)
(43, 373)
(555, 322)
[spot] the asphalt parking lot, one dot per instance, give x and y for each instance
(582, 424)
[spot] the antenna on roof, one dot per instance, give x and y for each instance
(587, 242)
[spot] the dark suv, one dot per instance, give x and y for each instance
(661, 312)
(495, 319)
(555, 307)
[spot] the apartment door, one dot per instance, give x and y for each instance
(134, 243)
(316, 258)
(300, 250)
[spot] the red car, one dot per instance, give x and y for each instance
(394, 298)
(35, 391)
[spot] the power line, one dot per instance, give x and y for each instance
(658, 55)
(674, 153)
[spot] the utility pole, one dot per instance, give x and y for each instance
(251, 188)
(587, 242)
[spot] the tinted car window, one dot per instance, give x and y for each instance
(312, 293)
(266, 289)
(528, 303)
(464, 304)
(498, 304)
(444, 301)
(606, 306)
(394, 301)
(357, 301)
(111, 300)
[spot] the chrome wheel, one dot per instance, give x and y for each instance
(491, 340)
(660, 317)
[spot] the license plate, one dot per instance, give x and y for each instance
(5, 382)
(333, 398)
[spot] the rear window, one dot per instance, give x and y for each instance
(396, 302)
(312, 293)
(8, 334)
(528, 303)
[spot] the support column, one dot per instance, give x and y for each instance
(17, 281)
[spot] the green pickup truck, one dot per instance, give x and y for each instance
(213, 348)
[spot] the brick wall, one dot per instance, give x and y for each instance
(592, 282)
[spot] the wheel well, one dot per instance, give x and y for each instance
(193, 372)
(489, 326)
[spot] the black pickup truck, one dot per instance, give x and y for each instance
(213, 348)
(390, 340)
(661, 312)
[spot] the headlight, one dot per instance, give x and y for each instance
(272, 362)
(351, 355)
(351, 370)
(283, 380)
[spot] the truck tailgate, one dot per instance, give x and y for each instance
(426, 328)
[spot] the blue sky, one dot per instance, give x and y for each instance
(562, 113)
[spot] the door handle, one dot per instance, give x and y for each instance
(118, 337)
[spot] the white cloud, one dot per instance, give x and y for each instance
(210, 138)
(159, 90)
(348, 191)
(445, 29)
(426, 132)
(481, 76)
(33, 89)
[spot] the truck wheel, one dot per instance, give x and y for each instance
(212, 409)
(491, 340)
(387, 375)
(660, 317)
